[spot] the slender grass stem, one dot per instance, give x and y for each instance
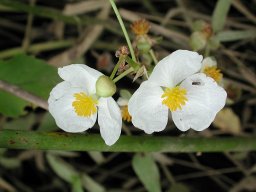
(152, 54)
(123, 29)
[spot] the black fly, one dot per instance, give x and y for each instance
(196, 83)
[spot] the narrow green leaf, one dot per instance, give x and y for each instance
(97, 156)
(30, 74)
(62, 169)
(91, 185)
(147, 171)
(10, 163)
(226, 36)
(77, 185)
(219, 14)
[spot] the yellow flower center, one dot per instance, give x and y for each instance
(174, 98)
(84, 105)
(213, 72)
(125, 114)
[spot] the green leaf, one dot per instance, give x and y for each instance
(226, 36)
(48, 123)
(97, 156)
(62, 169)
(11, 105)
(30, 74)
(24, 123)
(219, 14)
(10, 163)
(77, 185)
(147, 171)
(91, 185)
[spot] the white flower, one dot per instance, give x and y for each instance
(209, 67)
(193, 99)
(74, 104)
(123, 103)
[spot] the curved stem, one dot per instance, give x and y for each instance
(123, 74)
(152, 54)
(123, 29)
(83, 142)
(121, 60)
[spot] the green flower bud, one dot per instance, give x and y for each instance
(214, 43)
(197, 41)
(144, 47)
(105, 87)
(199, 25)
(143, 44)
(124, 93)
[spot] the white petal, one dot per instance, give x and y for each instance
(58, 91)
(122, 102)
(60, 106)
(205, 100)
(110, 120)
(146, 108)
(174, 68)
(208, 62)
(80, 75)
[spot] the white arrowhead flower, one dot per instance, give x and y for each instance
(74, 104)
(209, 67)
(193, 99)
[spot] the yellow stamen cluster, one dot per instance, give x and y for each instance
(174, 98)
(125, 114)
(214, 73)
(140, 27)
(84, 105)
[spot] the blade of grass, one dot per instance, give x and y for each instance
(219, 14)
(226, 36)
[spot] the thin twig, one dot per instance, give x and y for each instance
(23, 94)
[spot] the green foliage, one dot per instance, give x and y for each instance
(24, 123)
(76, 179)
(11, 105)
(197, 41)
(147, 171)
(30, 74)
(220, 14)
(62, 169)
(48, 123)
(226, 36)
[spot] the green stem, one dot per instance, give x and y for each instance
(123, 74)
(83, 142)
(121, 60)
(123, 29)
(152, 54)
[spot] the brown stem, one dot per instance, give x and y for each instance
(23, 94)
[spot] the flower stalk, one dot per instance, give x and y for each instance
(123, 29)
(82, 142)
